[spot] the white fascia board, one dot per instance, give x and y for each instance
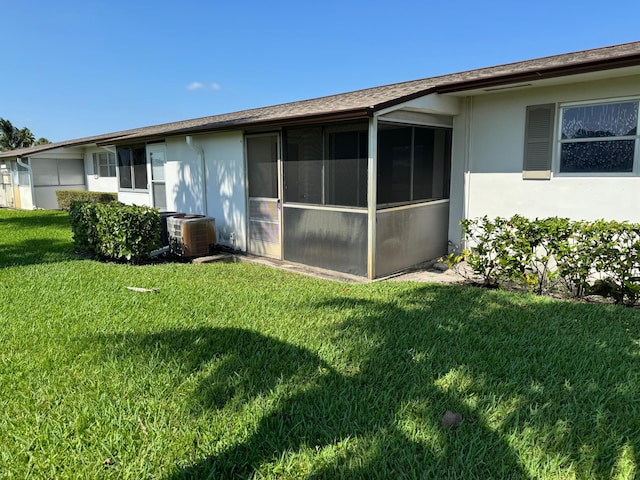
(62, 152)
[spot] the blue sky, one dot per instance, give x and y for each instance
(77, 68)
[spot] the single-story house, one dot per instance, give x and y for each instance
(377, 180)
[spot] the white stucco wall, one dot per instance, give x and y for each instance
(26, 200)
(226, 195)
(141, 198)
(493, 153)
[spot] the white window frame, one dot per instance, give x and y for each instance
(558, 141)
(131, 169)
(110, 164)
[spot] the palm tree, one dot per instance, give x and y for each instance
(12, 137)
(25, 138)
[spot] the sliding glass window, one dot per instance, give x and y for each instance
(326, 165)
(132, 168)
(414, 164)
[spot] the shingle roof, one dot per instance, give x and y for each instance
(69, 143)
(366, 101)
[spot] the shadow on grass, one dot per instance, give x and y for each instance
(537, 383)
(32, 237)
(35, 251)
(34, 218)
(565, 373)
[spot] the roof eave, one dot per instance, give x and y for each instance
(540, 74)
(353, 114)
(79, 143)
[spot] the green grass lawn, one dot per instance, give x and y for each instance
(237, 371)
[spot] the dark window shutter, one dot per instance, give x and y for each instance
(538, 142)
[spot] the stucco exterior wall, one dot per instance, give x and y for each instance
(141, 198)
(225, 182)
(487, 161)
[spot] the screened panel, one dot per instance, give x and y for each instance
(24, 178)
(394, 164)
(414, 164)
(346, 168)
(157, 167)
(124, 167)
(303, 166)
(441, 164)
(423, 158)
(140, 168)
(71, 171)
(159, 195)
(326, 239)
(263, 210)
(45, 172)
(327, 165)
(262, 157)
(263, 233)
(410, 236)
(264, 227)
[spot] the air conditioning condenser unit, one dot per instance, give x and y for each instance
(191, 235)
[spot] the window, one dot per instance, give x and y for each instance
(262, 159)
(327, 165)
(62, 171)
(599, 138)
(414, 163)
(132, 168)
(104, 164)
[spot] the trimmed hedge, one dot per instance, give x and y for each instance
(67, 197)
(115, 231)
(600, 257)
(83, 225)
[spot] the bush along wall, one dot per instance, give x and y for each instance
(551, 254)
(67, 197)
(115, 231)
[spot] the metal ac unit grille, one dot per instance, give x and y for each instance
(191, 235)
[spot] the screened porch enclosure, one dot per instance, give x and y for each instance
(413, 178)
(321, 182)
(325, 196)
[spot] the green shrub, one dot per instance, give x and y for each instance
(617, 258)
(495, 253)
(575, 256)
(67, 197)
(115, 231)
(601, 257)
(545, 241)
(83, 225)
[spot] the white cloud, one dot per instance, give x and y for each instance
(200, 86)
(195, 86)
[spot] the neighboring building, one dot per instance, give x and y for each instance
(374, 181)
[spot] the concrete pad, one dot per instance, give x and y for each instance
(421, 273)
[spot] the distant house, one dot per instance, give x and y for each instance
(374, 181)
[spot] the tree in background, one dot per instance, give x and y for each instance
(12, 137)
